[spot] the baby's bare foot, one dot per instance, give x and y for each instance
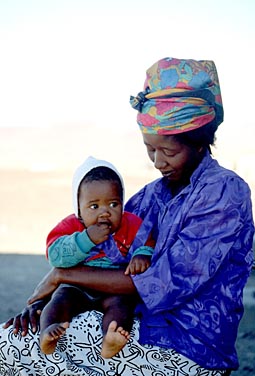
(50, 336)
(114, 340)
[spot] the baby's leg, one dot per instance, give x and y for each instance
(117, 323)
(66, 302)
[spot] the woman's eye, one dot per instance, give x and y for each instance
(169, 153)
(150, 150)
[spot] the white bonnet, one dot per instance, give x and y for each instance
(82, 170)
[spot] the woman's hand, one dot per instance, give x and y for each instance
(46, 287)
(29, 315)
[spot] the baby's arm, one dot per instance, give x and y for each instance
(69, 250)
(140, 261)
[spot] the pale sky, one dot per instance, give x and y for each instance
(78, 61)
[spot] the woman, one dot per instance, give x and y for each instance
(200, 215)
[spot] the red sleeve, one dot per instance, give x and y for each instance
(150, 242)
(125, 236)
(132, 225)
(67, 226)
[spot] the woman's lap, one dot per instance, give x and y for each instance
(78, 353)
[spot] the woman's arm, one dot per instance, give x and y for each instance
(104, 280)
(208, 244)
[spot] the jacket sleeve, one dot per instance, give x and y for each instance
(68, 243)
(70, 250)
(144, 251)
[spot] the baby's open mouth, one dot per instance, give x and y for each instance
(105, 223)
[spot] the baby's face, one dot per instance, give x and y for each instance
(100, 203)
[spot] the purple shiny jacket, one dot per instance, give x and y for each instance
(192, 293)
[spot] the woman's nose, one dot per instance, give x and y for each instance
(159, 160)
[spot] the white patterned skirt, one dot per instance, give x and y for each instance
(78, 353)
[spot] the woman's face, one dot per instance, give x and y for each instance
(175, 161)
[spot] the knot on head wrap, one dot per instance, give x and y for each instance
(89, 164)
(179, 95)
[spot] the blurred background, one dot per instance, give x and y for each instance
(67, 69)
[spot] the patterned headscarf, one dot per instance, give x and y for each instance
(179, 96)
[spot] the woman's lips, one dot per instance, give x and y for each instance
(167, 174)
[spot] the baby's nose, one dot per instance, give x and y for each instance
(104, 212)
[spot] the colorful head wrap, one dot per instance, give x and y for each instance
(179, 96)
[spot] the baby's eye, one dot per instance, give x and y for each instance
(114, 204)
(94, 206)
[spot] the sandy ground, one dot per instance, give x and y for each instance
(20, 273)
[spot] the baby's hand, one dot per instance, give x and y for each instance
(99, 233)
(138, 264)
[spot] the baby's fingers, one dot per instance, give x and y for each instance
(127, 271)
